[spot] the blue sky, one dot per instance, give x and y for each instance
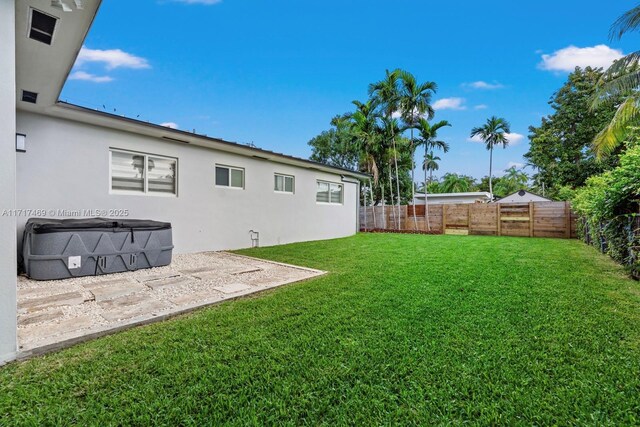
(274, 73)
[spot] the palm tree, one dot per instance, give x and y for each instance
(629, 21)
(454, 183)
(387, 129)
(430, 164)
(386, 96)
(363, 126)
(621, 78)
(494, 132)
(512, 181)
(389, 156)
(428, 138)
(415, 102)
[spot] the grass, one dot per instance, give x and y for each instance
(407, 329)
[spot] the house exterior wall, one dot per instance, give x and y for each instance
(66, 167)
(8, 341)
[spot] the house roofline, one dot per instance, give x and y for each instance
(528, 191)
(84, 38)
(204, 140)
(470, 193)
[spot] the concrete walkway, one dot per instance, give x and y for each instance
(56, 314)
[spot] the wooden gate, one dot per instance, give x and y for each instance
(515, 219)
(455, 219)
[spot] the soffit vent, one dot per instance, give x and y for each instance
(42, 27)
(31, 97)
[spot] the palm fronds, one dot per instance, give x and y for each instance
(385, 94)
(621, 78)
(430, 162)
(629, 21)
(415, 98)
(493, 132)
(627, 115)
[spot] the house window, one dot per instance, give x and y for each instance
(228, 176)
(329, 192)
(284, 183)
(140, 173)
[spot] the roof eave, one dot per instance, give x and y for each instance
(78, 113)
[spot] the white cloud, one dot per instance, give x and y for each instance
(81, 75)
(111, 58)
(450, 104)
(398, 114)
(207, 2)
(484, 85)
(171, 125)
(568, 58)
(481, 107)
(516, 165)
(513, 138)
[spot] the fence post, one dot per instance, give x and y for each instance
(498, 220)
(469, 218)
(567, 220)
(531, 219)
(444, 219)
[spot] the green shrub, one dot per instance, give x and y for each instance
(566, 193)
(609, 205)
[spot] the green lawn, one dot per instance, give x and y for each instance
(407, 329)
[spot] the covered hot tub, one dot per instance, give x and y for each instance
(63, 248)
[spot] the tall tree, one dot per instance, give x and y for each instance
(483, 184)
(492, 133)
(455, 183)
(560, 147)
(415, 103)
(388, 129)
(367, 140)
(512, 181)
(430, 164)
(428, 138)
(390, 155)
(621, 79)
(386, 96)
(335, 146)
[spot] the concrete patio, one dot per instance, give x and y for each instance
(56, 314)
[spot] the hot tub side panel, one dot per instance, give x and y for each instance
(65, 254)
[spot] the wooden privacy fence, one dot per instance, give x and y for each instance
(535, 219)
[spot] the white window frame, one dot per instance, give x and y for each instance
(284, 177)
(146, 191)
(230, 168)
(330, 184)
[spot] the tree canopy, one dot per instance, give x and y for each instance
(381, 135)
(561, 146)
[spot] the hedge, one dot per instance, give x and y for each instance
(609, 205)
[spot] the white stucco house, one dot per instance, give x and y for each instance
(61, 160)
(523, 196)
(444, 198)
